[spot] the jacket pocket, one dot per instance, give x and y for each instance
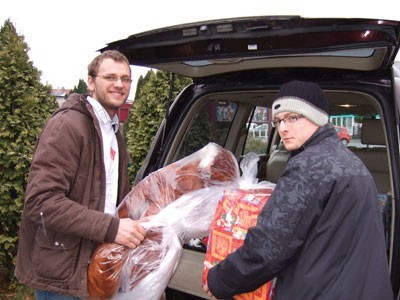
(55, 255)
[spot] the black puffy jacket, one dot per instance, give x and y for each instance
(320, 234)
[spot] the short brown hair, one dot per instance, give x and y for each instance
(115, 55)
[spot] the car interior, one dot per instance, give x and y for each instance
(360, 113)
(223, 118)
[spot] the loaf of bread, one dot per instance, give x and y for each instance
(210, 166)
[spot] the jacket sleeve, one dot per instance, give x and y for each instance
(270, 245)
(59, 190)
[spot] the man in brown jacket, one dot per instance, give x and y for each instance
(77, 178)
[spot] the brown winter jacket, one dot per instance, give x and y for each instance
(63, 217)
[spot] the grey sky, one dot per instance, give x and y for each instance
(63, 36)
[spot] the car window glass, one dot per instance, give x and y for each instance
(349, 127)
(211, 123)
(258, 129)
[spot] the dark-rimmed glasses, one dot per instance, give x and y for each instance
(287, 120)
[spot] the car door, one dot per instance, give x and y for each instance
(214, 47)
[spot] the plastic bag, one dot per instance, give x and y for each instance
(113, 266)
(188, 217)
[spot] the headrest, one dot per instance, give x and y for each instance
(372, 132)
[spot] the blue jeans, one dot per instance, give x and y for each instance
(46, 295)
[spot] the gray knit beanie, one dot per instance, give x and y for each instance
(305, 98)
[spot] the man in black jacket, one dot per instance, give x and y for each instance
(321, 232)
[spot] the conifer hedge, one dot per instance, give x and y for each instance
(25, 105)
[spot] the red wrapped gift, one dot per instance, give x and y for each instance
(237, 211)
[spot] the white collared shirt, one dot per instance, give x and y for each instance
(108, 128)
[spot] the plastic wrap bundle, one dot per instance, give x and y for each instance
(188, 217)
(192, 180)
(237, 211)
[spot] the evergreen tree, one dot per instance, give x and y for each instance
(139, 85)
(147, 113)
(25, 104)
(82, 87)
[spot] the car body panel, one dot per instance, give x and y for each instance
(215, 47)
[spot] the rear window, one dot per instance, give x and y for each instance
(211, 123)
(258, 133)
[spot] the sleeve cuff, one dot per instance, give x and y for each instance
(112, 230)
(217, 287)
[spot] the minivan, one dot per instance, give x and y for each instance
(239, 64)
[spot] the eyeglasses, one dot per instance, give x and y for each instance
(288, 119)
(113, 78)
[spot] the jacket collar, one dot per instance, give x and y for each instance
(320, 134)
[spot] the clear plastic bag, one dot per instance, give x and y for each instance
(191, 180)
(188, 217)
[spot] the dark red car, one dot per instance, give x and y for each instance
(343, 135)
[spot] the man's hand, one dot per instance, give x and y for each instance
(207, 290)
(130, 233)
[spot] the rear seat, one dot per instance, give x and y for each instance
(276, 163)
(375, 158)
